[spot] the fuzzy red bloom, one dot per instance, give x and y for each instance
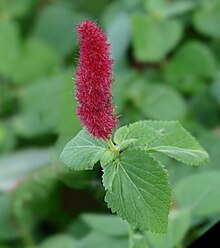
(93, 81)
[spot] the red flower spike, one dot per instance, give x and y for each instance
(93, 81)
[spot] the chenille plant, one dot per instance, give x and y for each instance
(136, 182)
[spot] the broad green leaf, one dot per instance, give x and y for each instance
(16, 166)
(40, 116)
(193, 63)
(206, 20)
(140, 192)
(36, 60)
(68, 109)
(58, 19)
(164, 9)
(119, 36)
(177, 143)
(96, 240)
(58, 241)
(178, 225)
(83, 151)
(106, 224)
(19, 8)
(159, 103)
(8, 229)
(200, 193)
(135, 134)
(156, 100)
(9, 47)
(153, 39)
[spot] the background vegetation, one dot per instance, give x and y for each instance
(167, 66)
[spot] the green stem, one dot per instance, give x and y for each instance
(136, 238)
(112, 146)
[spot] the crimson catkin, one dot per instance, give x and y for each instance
(93, 81)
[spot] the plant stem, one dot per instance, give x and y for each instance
(136, 238)
(112, 146)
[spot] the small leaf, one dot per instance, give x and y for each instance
(177, 143)
(135, 134)
(107, 157)
(83, 151)
(141, 191)
(200, 193)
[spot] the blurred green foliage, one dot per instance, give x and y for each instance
(167, 66)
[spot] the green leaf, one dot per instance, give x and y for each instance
(200, 193)
(83, 151)
(177, 143)
(159, 103)
(20, 8)
(211, 142)
(153, 39)
(36, 60)
(38, 117)
(15, 166)
(57, 241)
(178, 225)
(9, 47)
(191, 65)
(59, 19)
(165, 9)
(206, 20)
(96, 240)
(119, 36)
(68, 107)
(135, 134)
(140, 192)
(106, 224)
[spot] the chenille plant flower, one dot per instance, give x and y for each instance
(136, 182)
(93, 81)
